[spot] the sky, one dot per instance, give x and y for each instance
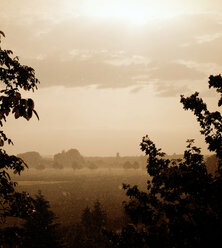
(112, 71)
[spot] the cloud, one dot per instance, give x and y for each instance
(131, 60)
(206, 68)
(75, 72)
(81, 51)
(176, 72)
(136, 89)
(205, 52)
(170, 90)
(208, 37)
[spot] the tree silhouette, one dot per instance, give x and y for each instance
(182, 206)
(39, 227)
(99, 217)
(88, 233)
(14, 78)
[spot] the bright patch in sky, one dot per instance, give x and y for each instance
(134, 12)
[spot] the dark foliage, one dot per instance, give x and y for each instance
(14, 78)
(89, 232)
(212, 164)
(182, 206)
(40, 229)
(210, 122)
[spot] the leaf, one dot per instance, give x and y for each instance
(17, 115)
(10, 141)
(29, 113)
(30, 103)
(36, 114)
(2, 33)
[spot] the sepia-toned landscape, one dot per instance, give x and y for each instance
(110, 124)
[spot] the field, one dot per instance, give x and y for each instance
(70, 191)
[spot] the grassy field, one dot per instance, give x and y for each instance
(70, 191)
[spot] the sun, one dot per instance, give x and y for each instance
(137, 12)
(121, 11)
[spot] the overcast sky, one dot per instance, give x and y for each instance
(112, 71)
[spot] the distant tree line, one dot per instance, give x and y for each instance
(70, 159)
(73, 159)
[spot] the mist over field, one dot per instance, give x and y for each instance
(76, 181)
(69, 192)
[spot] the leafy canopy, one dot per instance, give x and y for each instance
(182, 205)
(14, 78)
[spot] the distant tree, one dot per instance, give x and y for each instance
(127, 165)
(57, 165)
(40, 166)
(135, 165)
(182, 207)
(40, 229)
(33, 159)
(66, 159)
(92, 166)
(14, 78)
(76, 165)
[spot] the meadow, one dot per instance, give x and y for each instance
(70, 191)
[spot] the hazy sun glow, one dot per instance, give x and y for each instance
(134, 12)
(119, 10)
